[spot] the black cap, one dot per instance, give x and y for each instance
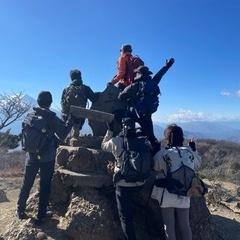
(44, 99)
(75, 74)
(126, 47)
(143, 70)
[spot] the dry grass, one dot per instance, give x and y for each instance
(13, 172)
(220, 161)
(11, 163)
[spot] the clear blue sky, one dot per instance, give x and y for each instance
(41, 41)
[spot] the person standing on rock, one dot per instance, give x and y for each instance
(124, 191)
(135, 92)
(76, 94)
(44, 162)
(125, 65)
(172, 204)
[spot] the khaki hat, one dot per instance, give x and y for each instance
(143, 70)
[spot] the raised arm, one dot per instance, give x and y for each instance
(158, 76)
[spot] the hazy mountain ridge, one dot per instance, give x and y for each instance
(228, 130)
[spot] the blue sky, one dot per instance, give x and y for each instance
(41, 41)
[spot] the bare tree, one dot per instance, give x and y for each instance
(12, 107)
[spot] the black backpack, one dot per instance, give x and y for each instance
(135, 160)
(75, 95)
(36, 133)
(148, 100)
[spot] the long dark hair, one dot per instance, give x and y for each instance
(174, 135)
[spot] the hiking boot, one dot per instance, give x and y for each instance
(39, 221)
(21, 215)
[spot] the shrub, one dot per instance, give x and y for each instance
(235, 166)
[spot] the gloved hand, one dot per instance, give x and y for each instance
(110, 126)
(192, 145)
(170, 62)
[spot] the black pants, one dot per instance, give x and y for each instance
(124, 197)
(79, 122)
(46, 173)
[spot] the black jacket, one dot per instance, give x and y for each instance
(130, 92)
(86, 92)
(59, 128)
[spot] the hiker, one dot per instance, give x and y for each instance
(170, 203)
(124, 190)
(76, 94)
(124, 77)
(45, 161)
(131, 94)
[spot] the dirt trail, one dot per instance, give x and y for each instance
(226, 215)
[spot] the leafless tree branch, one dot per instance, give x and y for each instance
(12, 107)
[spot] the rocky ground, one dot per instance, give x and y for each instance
(222, 200)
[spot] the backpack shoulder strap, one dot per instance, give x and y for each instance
(49, 124)
(28, 118)
(128, 59)
(167, 163)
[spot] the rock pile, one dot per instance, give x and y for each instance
(83, 198)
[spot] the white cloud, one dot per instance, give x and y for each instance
(225, 93)
(229, 94)
(185, 115)
(238, 93)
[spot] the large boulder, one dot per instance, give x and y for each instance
(88, 193)
(84, 204)
(108, 102)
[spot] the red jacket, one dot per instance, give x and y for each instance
(122, 63)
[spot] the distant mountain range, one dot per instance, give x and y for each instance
(228, 131)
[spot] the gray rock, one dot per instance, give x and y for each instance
(84, 201)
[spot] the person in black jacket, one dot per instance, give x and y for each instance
(76, 94)
(44, 162)
(131, 95)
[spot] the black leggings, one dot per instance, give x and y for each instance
(124, 197)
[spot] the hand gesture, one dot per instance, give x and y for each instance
(110, 126)
(192, 144)
(170, 62)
